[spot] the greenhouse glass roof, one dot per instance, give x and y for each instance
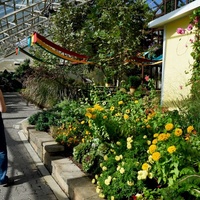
(20, 18)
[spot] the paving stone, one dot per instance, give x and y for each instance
(29, 183)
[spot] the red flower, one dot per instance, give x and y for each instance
(146, 78)
(134, 197)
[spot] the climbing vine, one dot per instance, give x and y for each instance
(195, 79)
(192, 103)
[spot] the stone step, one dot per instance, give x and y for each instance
(74, 182)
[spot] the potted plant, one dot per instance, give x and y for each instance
(134, 83)
(108, 81)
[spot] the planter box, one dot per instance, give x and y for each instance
(75, 183)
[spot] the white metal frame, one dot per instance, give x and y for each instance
(20, 18)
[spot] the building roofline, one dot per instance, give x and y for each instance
(176, 14)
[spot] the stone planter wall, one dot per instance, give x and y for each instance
(76, 184)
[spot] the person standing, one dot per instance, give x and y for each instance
(4, 180)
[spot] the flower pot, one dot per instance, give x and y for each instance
(132, 90)
(107, 84)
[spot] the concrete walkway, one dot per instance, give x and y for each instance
(30, 183)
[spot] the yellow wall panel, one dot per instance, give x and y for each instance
(177, 61)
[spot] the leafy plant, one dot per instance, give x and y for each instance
(45, 119)
(134, 81)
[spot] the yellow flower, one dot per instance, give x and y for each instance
(150, 159)
(120, 102)
(122, 170)
(146, 166)
(150, 175)
(101, 195)
(98, 189)
(83, 122)
(152, 148)
(163, 136)
(142, 175)
(104, 168)
(87, 132)
(112, 198)
(105, 117)
(129, 139)
(118, 114)
(117, 158)
(118, 143)
(89, 123)
(105, 157)
(126, 116)
(96, 176)
(190, 129)
(155, 135)
(93, 181)
(156, 156)
(144, 137)
(136, 101)
(148, 126)
(129, 146)
(90, 110)
(98, 107)
(139, 196)
(112, 108)
(171, 149)
(167, 135)
(128, 111)
(169, 126)
(89, 115)
(154, 141)
(178, 132)
(187, 138)
(108, 180)
(130, 183)
(148, 142)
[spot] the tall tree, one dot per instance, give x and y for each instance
(110, 32)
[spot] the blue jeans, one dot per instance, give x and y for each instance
(3, 167)
(3, 154)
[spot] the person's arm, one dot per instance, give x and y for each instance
(2, 103)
